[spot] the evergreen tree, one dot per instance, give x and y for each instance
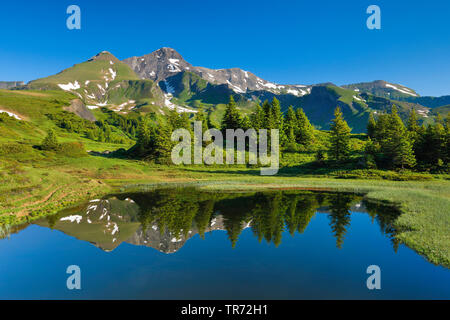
(305, 131)
(257, 118)
(184, 122)
(277, 114)
(413, 126)
(340, 137)
(163, 144)
(412, 121)
(371, 126)
(269, 121)
(290, 126)
(144, 136)
(50, 142)
(232, 118)
(246, 123)
(90, 134)
(396, 144)
(200, 116)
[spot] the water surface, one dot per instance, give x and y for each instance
(191, 244)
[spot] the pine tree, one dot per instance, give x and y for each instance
(371, 126)
(269, 121)
(108, 133)
(340, 137)
(246, 123)
(50, 142)
(396, 143)
(257, 118)
(305, 131)
(277, 114)
(413, 126)
(447, 142)
(200, 116)
(412, 121)
(90, 134)
(144, 137)
(184, 122)
(163, 144)
(232, 117)
(290, 126)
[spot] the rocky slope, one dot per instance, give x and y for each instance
(166, 62)
(164, 80)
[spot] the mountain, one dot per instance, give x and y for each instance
(102, 81)
(443, 111)
(200, 87)
(398, 92)
(166, 62)
(383, 89)
(430, 102)
(10, 84)
(164, 80)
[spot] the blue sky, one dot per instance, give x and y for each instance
(294, 42)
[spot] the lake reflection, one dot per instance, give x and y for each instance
(166, 219)
(192, 244)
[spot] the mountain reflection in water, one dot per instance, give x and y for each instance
(165, 219)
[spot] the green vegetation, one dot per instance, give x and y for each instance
(37, 180)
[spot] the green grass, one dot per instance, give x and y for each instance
(424, 224)
(35, 183)
(90, 70)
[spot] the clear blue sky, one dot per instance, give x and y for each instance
(302, 42)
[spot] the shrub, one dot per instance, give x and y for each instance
(72, 149)
(50, 142)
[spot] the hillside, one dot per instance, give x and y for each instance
(163, 81)
(383, 89)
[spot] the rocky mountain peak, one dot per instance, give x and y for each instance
(166, 62)
(104, 56)
(158, 65)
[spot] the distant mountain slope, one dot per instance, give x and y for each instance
(10, 84)
(163, 80)
(398, 92)
(104, 81)
(166, 62)
(383, 89)
(430, 102)
(443, 111)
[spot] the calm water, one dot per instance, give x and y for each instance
(188, 244)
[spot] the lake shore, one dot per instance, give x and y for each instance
(32, 192)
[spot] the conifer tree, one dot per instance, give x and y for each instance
(412, 121)
(396, 143)
(290, 126)
(50, 142)
(200, 116)
(371, 126)
(305, 131)
(144, 136)
(257, 118)
(232, 118)
(246, 123)
(277, 114)
(269, 121)
(163, 144)
(340, 137)
(413, 126)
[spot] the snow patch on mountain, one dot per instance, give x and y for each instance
(70, 86)
(402, 90)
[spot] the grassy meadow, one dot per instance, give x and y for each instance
(35, 183)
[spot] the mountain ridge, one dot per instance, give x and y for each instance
(164, 80)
